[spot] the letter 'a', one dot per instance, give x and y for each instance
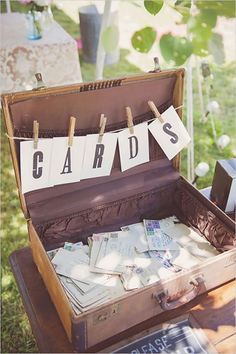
(67, 164)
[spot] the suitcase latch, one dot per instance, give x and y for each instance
(40, 84)
(103, 316)
(157, 66)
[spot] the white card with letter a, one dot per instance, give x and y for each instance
(134, 148)
(35, 165)
(99, 156)
(171, 135)
(66, 163)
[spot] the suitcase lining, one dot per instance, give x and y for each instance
(158, 203)
(202, 216)
(122, 124)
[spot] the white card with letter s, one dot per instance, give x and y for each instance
(171, 135)
(134, 148)
(66, 163)
(35, 165)
(99, 156)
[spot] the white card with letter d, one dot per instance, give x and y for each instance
(134, 149)
(171, 135)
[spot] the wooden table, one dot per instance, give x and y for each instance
(214, 311)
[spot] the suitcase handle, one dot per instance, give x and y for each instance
(167, 303)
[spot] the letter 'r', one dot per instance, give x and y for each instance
(97, 163)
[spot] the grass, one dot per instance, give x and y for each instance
(16, 332)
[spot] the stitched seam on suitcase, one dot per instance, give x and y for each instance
(50, 133)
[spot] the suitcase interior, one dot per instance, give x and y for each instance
(72, 212)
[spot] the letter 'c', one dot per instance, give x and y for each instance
(37, 158)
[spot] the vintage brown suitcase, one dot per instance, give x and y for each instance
(72, 212)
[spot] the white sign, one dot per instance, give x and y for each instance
(171, 135)
(134, 148)
(66, 162)
(98, 156)
(35, 164)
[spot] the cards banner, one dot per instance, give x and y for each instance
(54, 162)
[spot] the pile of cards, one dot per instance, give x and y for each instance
(136, 256)
(84, 288)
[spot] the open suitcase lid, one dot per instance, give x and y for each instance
(52, 108)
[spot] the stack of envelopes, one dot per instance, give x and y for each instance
(116, 262)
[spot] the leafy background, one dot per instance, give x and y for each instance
(16, 332)
(201, 38)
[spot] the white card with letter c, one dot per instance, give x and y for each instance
(35, 165)
(99, 156)
(66, 163)
(171, 135)
(133, 148)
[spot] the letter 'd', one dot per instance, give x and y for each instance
(133, 146)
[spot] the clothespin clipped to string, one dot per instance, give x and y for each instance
(154, 109)
(36, 133)
(102, 126)
(71, 130)
(130, 120)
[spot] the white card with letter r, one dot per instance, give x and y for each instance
(35, 164)
(171, 135)
(99, 155)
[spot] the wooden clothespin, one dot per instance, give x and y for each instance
(130, 120)
(102, 126)
(36, 133)
(155, 111)
(71, 130)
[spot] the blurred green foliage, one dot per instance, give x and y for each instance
(200, 23)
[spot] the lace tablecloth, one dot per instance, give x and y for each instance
(55, 56)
